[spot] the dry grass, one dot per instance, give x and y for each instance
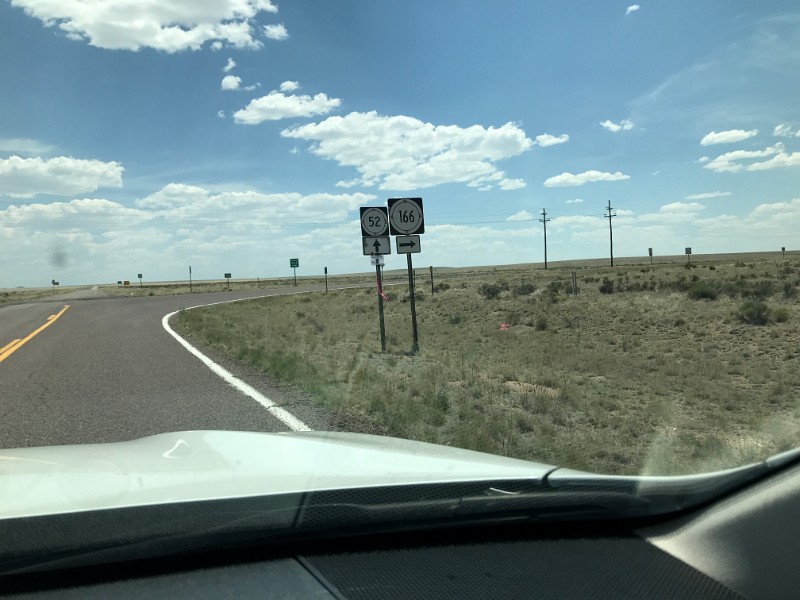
(643, 380)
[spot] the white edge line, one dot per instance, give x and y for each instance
(279, 413)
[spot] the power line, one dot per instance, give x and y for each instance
(544, 220)
(610, 216)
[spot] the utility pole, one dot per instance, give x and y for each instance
(610, 216)
(544, 220)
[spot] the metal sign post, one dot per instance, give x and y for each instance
(190, 279)
(688, 256)
(294, 263)
(432, 288)
(326, 280)
(378, 262)
(375, 242)
(140, 281)
(783, 251)
(228, 277)
(406, 220)
(650, 252)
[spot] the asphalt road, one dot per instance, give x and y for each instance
(106, 370)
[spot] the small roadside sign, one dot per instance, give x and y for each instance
(294, 263)
(407, 244)
(405, 216)
(376, 245)
(374, 221)
(377, 260)
(227, 275)
(688, 250)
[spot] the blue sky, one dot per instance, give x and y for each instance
(231, 135)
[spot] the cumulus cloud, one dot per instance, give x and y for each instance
(60, 176)
(544, 140)
(229, 66)
(575, 201)
(289, 86)
(732, 162)
(276, 32)
(632, 9)
(624, 125)
(277, 105)
(522, 215)
(782, 131)
(568, 179)
(707, 195)
(167, 25)
(230, 82)
(727, 137)
(86, 213)
(511, 184)
(403, 153)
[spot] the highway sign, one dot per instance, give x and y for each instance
(227, 275)
(405, 216)
(407, 244)
(294, 263)
(376, 245)
(688, 250)
(376, 260)
(374, 221)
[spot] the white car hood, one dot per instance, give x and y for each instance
(204, 465)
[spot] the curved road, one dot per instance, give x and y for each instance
(105, 370)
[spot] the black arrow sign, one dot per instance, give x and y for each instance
(410, 244)
(377, 246)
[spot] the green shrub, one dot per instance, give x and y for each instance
(607, 287)
(789, 290)
(540, 324)
(490, 291)
(455, 319)
(702, 290)
(781, 315)
(524, 289)
(762, 290)
(754, 312)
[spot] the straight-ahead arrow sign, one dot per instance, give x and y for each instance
(376, 245)
(408, 244)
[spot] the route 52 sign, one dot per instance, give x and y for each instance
(405, 216)
(374, 221)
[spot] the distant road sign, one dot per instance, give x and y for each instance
(294, 263)
(405, 216)
(407, 244)
(374, 221)
(227, 275)
(376, 245)
(377, 260)
(688, 250)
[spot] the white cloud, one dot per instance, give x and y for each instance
(681, 207)
(783, 131)
(575, 201)
(221, 114)
(277, 105)
(727, 137)
(522, 215)
(568, 179)
(276, 32)
(194, 205)
(403, 153)
(166, 25)
(731, 162)
(511, 184)
(544, 140)
(632, 9)
(24, 146)
(624, 125)
(230, 82)
(707, 195)
(86, 213)
(289, 86)
(229, 65)
(61, 176)
(703, 159)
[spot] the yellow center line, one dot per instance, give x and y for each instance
(9, 349)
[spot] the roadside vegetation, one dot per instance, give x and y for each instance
(658, 369)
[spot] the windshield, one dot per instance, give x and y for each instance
(565, 233)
